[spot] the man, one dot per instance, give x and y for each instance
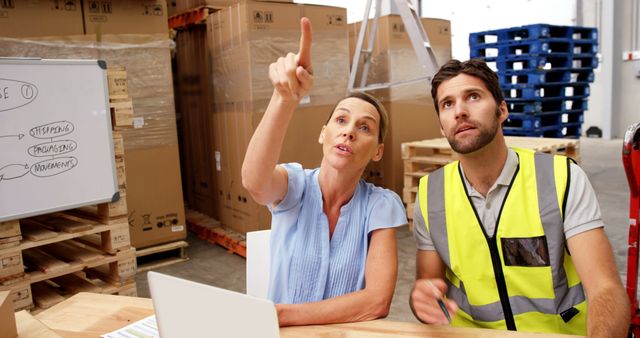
(513, 239)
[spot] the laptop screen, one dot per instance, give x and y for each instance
(188, 309)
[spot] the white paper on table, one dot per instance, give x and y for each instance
(144, 328)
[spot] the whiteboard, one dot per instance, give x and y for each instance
(56, 148)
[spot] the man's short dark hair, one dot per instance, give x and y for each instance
(384, 117)
(474, 67)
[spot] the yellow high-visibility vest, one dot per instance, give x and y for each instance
(521, 277)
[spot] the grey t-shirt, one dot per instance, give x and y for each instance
(582, 211)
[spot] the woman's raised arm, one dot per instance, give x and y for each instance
(292, 79)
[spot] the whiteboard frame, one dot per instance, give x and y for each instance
(102, 65)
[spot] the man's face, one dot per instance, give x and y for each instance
(469, 116)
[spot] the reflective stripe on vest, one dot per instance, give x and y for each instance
(538, 188)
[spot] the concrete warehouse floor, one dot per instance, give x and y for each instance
(601, 160)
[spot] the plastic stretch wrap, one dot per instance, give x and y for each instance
(241, 61)
(148, 64)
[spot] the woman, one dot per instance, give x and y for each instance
(331, 231)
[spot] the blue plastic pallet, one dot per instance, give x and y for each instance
(567, 131)
(536, 31)
(567, 111)
(546, 91)
(545, 121)
(546, 76)
(540, 106)
(533, 47)
(548, 61)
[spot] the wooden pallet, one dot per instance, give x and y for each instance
(47, 293)
(423, 157)
(212, 231)
(54, 262)
(162, 255)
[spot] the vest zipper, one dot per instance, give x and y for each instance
(495, 254)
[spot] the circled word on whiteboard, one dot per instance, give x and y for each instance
(51, 130)
(53, 166)
(15, 94)
(53, 148)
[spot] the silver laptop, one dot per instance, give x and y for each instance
(189, 309)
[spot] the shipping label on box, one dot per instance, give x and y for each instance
(154, 196)
(262, 17)
(326, 18)
(125, 17)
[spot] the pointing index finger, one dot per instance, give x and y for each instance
(304, 53)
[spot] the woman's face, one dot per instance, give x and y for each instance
(350, 137)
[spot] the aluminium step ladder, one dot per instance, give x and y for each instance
(426, 58)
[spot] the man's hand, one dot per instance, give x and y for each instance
(424, 301)
(291, 75)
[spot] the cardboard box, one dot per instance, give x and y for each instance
(180, 6)
(244, 40)
(172, 7)
(19, 19)
(194, 109)
(7, 318)
(154, 188)
(154, 196)
(125, 17)
(237, 209)
(410, 120)
(411, 111)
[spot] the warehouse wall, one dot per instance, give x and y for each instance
(475, 16)
(594, 13)
(614, 94)
(626, 89)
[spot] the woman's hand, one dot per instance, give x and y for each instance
(292, 75)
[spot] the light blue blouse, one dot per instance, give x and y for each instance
(308, 266)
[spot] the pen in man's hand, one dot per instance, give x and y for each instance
(440, 301)
(444, 309)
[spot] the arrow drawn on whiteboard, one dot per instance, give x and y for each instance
(11, 171)
(19, 136)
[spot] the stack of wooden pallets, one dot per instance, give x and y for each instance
(423, 157)
(46, 258)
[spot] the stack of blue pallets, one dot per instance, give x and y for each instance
(544, 72)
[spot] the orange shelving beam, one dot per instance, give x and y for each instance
(193, 16)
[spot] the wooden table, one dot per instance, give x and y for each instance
(386, 328)
(91, 314)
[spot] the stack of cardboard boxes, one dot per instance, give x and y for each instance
(223, 89)
(194, 112)
(134, 35)
(244, 39)
(59, 18)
